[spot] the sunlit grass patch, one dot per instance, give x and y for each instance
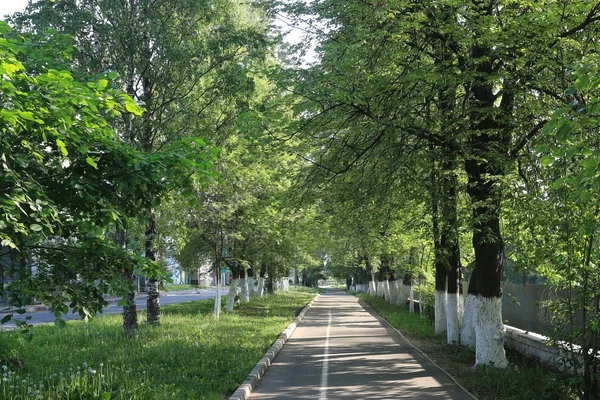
(191, 355)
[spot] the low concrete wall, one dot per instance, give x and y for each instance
(535, 345)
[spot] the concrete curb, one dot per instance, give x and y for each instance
(453, 379)
(244, 391)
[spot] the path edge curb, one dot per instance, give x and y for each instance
(452, 378)
(244, 391)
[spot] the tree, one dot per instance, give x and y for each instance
(181, 60)
(62, 164)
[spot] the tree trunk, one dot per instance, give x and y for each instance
(440, 322)
(372, 282)
(153, 301)
(130, 320)
(235, 279)
(451, 248)
(392, 293)
(261, 280)
(251, 291)
(245, 295)
(217, 310)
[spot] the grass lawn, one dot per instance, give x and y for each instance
(525, 379)
(190, 356)
(175, 288)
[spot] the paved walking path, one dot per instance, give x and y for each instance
(341, 351)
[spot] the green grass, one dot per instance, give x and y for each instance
(190, 356)
(175, 288)
(524, 379)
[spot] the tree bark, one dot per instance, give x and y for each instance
(261, 280)
(440, 322)
(130, 320)
(451, 248)
(251, 291)
(245, 295)
(235, 279)
(153, 301)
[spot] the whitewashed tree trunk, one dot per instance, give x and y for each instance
(440, 311)
(251, 291)
(261, 287)
(380, 289)
(393, 292)
(245, 297)
(386, 290)
(372, 288)
(467, 329)
(452, 318)
(284, 285)
(232, 293)
(399, 292)
(217, 310)
(411, 307)
(489, 332)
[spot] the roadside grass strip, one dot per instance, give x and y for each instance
(524, 379)
(191, 355)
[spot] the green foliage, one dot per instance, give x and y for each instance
(67, 176)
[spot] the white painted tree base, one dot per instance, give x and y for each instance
(372, 288)
(467, 329)
(386, 290)
(452, 318)
(489, 332)
(251, 291)
(393, 292)
(217, 310)
(245, 296)
(261, 287)
(440, 312)
(232, 293)
(411, 306)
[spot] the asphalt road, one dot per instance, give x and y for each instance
(45, 317)
(342, 351)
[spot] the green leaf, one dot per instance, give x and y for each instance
(589, 163)
(102, 84)
(26, 115)
(558, 183)
(546, 160)
(35, 227)
(131, 107)
(586, 196)
(91, 162)
(112, 75)
(541, 149)
(62, 147)
(582, 82)
(563, 131)
(122, 303)
(6, 319)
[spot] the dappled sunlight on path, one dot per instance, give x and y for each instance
(362, 359)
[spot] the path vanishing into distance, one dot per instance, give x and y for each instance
(342, 351)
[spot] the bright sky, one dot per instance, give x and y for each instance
(11, 6)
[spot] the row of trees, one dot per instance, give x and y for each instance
(440, 119)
